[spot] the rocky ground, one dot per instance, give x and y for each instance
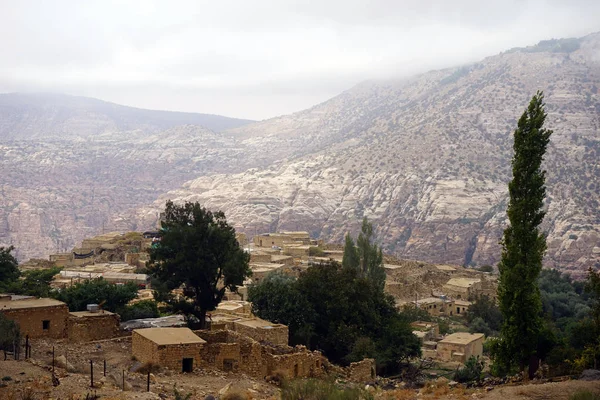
(32, 380)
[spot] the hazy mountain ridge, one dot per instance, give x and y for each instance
(427, 159)
(39, 116)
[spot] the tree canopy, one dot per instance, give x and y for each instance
(338, 311)
(365, 256)
(199, 253)
(111, 297)
(523, 244)
(9, 267)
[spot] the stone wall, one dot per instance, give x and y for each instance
(171, 356)
(275, 333)
(167, 356)
(458, 351)
(302, 363)
(362, 371)
(96, 326)
(31, 320)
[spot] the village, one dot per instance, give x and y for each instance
(235, 341)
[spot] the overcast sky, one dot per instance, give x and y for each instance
(258, 59)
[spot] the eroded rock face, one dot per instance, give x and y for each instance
(428, 161)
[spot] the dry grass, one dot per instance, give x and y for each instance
(236, 395)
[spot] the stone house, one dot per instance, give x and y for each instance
(178, 349)
(252, 327)
(461, 307)
(36, 318)
(434, 306)
(86, 326)
(463, 288)
(460, 346)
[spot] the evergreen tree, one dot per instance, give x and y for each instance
(371, 256)
(523, 245)
(350, 258)
(365, 256)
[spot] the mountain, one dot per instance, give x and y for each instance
(39, 116)
(427, 160)
(69, 163)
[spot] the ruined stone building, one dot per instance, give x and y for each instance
(463, 288)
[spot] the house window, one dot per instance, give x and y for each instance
(435, 306)
(458, 310)
(46, 325)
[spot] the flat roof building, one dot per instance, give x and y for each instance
(460, 346)
(36, 317)
(174, 348)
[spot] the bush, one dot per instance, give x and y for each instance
(313, 389)
(141, 309)
(97, 291)
(315, 251)
(584, 394)
(471, 372)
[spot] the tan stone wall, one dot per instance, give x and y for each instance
(171, 356)
(143, 350)
(30, 320)
(87, 329)
(362, 371)
(132, 258)
(446, 351)
(167, 356)
(300, 364)
(260, 258)
(278, 334)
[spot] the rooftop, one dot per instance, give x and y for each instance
(463, 282)
(29, 303)
(462, 338)
(81, 314)
(166, 336)
(258, 323)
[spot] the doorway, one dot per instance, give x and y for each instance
(187, 365)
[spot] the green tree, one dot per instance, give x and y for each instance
(485, 309)
(9, 267)
(111, 297)
(523, 244)
(198, 252)
(340, 312)
(350, 258)
(9, 333)
(366, 256)
(141, 309)
(37, 282)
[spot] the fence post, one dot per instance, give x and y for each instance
(123, 380)
(148, 384)
(26, 346)
(104, 367)
(91, 373)
(52, 360)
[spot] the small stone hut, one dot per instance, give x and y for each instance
(86, 326)
(36, 317)
(178, 349)
(460, 346)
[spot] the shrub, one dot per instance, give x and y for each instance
(471, 372)
(315, 251)
(584, 394)
(141, 309)
(314, 389)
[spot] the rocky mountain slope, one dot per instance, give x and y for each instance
(427, 159)
(68, 163)
(43, 115)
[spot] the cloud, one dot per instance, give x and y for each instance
(260, 58)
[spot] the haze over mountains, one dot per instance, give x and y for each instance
(427, 159)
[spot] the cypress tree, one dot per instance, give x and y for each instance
(523, 244)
